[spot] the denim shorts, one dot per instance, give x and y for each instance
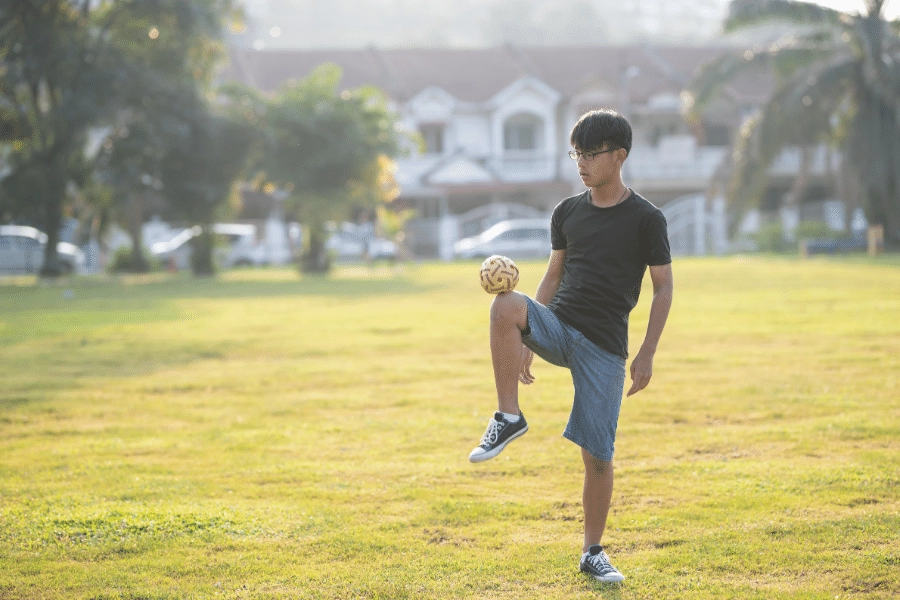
(598, 377)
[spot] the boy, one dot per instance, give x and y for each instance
(602, 242)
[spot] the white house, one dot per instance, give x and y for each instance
(494, 127)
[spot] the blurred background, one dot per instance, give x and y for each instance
(210, 134)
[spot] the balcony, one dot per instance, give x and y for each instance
(516, 167)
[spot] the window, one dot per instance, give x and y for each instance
(26, 243)
(433, 134)
(521, 132)
(716, 134)
(524, 235)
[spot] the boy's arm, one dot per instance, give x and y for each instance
(552, 277)
(642, 365)
(545, 292)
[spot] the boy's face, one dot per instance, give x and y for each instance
(603, 168)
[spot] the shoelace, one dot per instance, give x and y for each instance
(493, 432)
(600, 562)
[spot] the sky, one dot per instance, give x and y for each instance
(892, 9)
(473, 23)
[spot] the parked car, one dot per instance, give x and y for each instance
(22, 251)
(515, 238)
(240, 247)
(350, 241)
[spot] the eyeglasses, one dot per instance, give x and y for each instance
(588, 156)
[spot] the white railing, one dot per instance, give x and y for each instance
(695, 226)
(692, 228)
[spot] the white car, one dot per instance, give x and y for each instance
(349, 242)
(22, 251)
(242, 247)
(515, 238)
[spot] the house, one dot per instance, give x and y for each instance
(494, 125)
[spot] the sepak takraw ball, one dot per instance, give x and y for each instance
(499, 274)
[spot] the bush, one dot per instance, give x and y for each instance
(770, 238)
(817, 229)
(122, 261)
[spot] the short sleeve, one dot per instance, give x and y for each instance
(655, 240)
(557, 238)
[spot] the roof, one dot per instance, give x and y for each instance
(24, 231)
(476, 75)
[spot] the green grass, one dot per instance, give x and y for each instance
(263, 436)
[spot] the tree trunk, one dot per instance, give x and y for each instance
(55, 190)
(885, 210)
(316, 259)
(52, 267)
(202, 253)
(799, 185)
(139, 262)
(892, 221)
(801, 181)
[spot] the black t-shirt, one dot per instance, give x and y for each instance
(607, 253)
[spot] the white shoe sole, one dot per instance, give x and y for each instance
(477, 458)
(608, 578)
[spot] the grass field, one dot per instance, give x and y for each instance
(265, 436)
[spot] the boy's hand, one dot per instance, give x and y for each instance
(525, 375)
(641, 371)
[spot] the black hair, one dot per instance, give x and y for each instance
(599, 127)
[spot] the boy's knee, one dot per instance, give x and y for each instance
(509, 307)
(595, 466)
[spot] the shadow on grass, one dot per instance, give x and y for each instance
(71, 325)
(66, 293)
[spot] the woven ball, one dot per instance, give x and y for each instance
(499, 274)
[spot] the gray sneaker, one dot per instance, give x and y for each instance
(595, 563)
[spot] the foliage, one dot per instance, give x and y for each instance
(837, 82)
(201, 166)
(817, 229)
(393, 222)
(771, 238)
(260, 436)
(68, 68)
(55, 84)
(328, 149)
(171, 64)
(122, 261)
(140, 71)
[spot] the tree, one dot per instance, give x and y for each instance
(172, 49)
(838, 82)
(67, 67)
(200, 168)
(55, 85)
(328, 149)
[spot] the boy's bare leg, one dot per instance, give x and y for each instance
(509, 316)
(598, 487)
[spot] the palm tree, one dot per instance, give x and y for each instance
(838, 82)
